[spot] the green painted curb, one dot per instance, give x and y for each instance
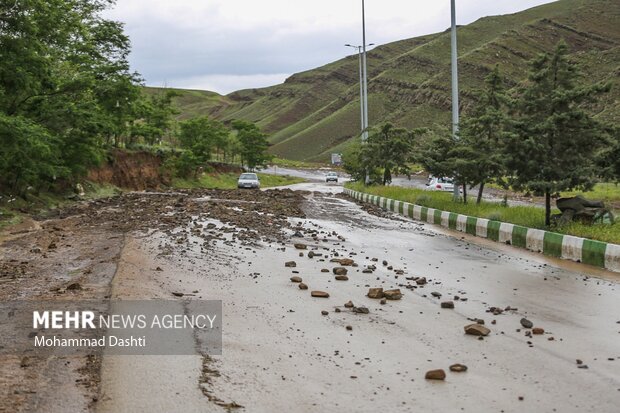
(596, 253)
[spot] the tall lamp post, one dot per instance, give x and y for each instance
(455, 85)
(362, 96)
(365, 76)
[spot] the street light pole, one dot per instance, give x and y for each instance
(455, 85)
(361, 82)
(359, 58)
(364, 75)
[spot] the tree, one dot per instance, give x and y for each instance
(443, 155)
(390, 149)
(65, 76)
(155, 116)
(32, 148)
(482, 136)
(253, 144)
(609, 158)
(199, 135)
(555, 141)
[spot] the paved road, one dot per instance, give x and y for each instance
(281, 354)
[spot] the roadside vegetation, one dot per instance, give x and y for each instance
(290, 163)
(541, 139)
(527, 216)
(69, 101)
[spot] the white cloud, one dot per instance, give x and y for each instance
(228, 41)
(225, 84)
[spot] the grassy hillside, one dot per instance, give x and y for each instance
(316, 112)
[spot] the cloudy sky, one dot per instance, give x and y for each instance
(227, 45)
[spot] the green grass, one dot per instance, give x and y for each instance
(527, 216)
(8, 218)
(607, 192)
(290, 163)
(43, 202)
(229, 181)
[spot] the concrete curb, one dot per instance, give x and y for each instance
(587, 251)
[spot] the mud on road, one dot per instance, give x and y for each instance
(74, 254)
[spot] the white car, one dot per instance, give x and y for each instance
(331, 176)
(248, 180)
(439, 184)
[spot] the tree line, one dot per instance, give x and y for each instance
(538, 138)
(68, 95)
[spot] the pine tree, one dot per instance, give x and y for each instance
(483, 134)
(555, 141)
(390, 149)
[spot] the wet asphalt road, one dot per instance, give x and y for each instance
(281, 354)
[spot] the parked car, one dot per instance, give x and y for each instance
(248, 180)
(439, 184)
(331, 177)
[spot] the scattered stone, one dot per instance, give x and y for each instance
(349, 328)
(290, 264)
(447, 304)
(320, 294)
(311, 254)
(74, 287)
(538, 330)
(303, 286)
(341, 278)
(324, 312)
(458, 368)
(296, 279)
(436, 294)
(158, 269)
(324, 270)
(383, 301)
(340, 270)
(349, 304)
(438, 374)
(178, 294)
(375, 293)
(300, 246)
(347, 262)
(421, 281)
(526, 323)
(477, 330)
(361, 310)
(393, 294)
(337, 310)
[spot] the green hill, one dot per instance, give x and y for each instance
(316, 112)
